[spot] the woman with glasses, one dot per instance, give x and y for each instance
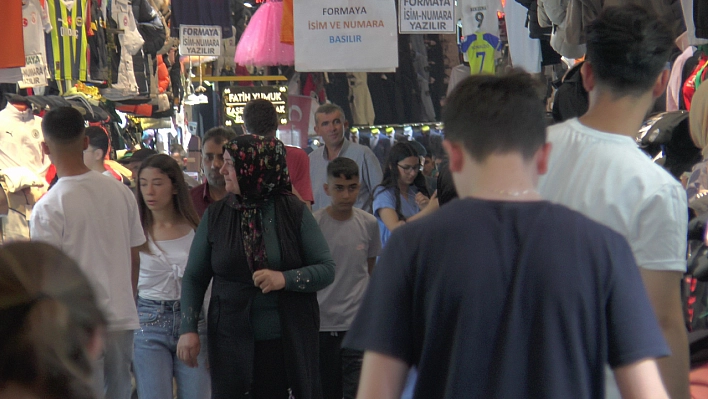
(402, 195)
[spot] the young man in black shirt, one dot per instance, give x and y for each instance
(501, 294)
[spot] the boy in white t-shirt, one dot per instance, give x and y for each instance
(94, 220)
(353, 238)
(597, 169)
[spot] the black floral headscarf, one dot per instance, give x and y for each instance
(262, 174)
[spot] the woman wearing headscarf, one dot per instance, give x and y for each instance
(268, 259)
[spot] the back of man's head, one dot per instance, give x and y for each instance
(343, 168)
(260, 117)
(98, 138)
(627, 48)
(496, 114)
(63, 126)
(219, 134)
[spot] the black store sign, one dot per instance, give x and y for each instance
(236, 97)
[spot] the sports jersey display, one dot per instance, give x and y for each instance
(480, 48)
(67, 43)
(35, 23)
(11, 33)
(479, 16)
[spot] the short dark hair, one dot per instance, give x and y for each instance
(342, 167)
(496, 114)
(223, 134)
(328, 109)
(98, 138)
(63, 125)
(260, 117)
(627, 48)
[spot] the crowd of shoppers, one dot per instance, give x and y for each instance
(556, 274)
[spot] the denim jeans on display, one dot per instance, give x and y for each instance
(156, 359)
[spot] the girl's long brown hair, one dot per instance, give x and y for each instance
(182, 200)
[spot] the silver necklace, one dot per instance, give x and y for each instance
(516, 193)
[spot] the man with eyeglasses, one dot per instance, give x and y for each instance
(330, 124)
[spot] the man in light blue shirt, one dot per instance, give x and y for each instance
(330, 125)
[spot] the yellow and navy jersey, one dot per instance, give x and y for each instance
(480, 48)
(66, 43)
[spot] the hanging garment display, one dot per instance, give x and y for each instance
(260, 43)
(97, 41)
(35, 22)
(480, 49)
(673, 89)
(67, 50)
(20, 141)
(687, 7)
(201, 12)
(337, 88)
(125, 85)
(12, 45)
(525, 52)
(360, 99)
(422, 71)
(479, 16)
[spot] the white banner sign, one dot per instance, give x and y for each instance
(345, 36)
(426, 16)
(202, 40)
(34, 73)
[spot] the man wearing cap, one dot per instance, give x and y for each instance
(133, 162)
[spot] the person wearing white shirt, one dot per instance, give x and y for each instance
(597, 169)
(94, 220)
(169, 221)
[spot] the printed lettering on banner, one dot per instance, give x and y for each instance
(345, 36)
(426, 16)
(236, 97)
(34, 73)
(202, 40)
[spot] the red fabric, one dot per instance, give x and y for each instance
(299, 169)
(51, 173)
(115, 174)
(142, 109)
(12, 45)
(201, 198)
(689, 87)
(163, 75)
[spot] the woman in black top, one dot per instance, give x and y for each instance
(268, 259)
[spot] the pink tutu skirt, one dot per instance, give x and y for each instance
(260, 43)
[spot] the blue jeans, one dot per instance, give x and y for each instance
(111, 371)
(156, 359)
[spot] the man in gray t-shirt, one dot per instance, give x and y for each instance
(353, 239)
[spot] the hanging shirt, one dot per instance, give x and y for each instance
(201, 12)
(11, 46)
(479, 15)
(67, 45)
(480, 48)
(35, 23)
(20, 141)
